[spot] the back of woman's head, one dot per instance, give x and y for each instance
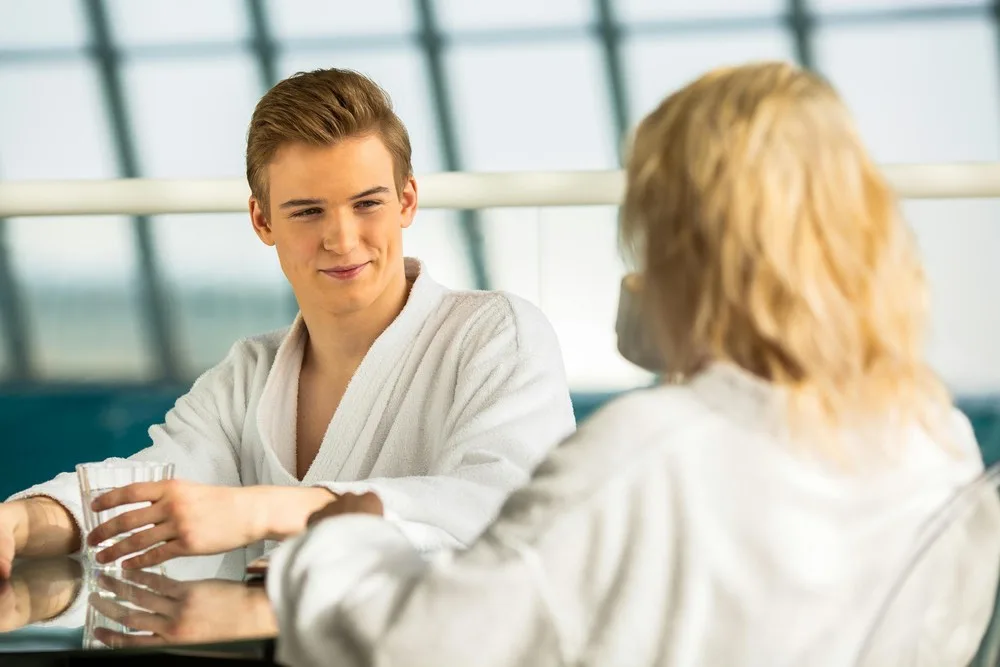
(769, 239)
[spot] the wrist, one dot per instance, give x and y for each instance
(15, 515)
(254, 500)
(280, 512)
(42, 526)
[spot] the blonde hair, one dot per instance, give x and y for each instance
(768, 238)
(321, 108)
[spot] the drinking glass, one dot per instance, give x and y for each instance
(97, 479)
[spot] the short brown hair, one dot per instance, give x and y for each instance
(321, 108)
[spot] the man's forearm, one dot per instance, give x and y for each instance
(42, 527)
(280, 512)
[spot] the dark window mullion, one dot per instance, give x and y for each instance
(16, 339)
(431, 41)
(152, 292)
(609, 31)
(800, 21)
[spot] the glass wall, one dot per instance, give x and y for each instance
(165, 88)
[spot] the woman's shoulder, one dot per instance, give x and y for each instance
(639, 429)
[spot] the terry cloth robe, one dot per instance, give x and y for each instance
(449, 412)
(678, 527)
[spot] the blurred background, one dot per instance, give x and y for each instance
(104, 321)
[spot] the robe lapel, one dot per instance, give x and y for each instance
(348, 442)
(278, 405)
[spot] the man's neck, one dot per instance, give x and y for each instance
(339, 342)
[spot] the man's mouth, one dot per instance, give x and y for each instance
(346, 272)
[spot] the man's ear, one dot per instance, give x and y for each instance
(408, 200)
(258, 218)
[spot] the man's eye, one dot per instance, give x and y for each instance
(368, 204)
(307, 212)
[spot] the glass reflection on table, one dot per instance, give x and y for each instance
(188, 601)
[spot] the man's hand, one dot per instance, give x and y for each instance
(184, 519)
(7, 549)
(37, 591)
(350, 503)
(182, 612)
(188, 519)
(35, 527)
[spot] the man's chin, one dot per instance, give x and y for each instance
(345, 300)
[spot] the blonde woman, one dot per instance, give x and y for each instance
(753, 511)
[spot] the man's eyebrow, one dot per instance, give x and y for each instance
(377, 190)
(302, 202)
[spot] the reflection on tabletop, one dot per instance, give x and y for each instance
(200, 600)
(38, 591)
(142, 608)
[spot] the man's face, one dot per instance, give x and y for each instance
(336, 222)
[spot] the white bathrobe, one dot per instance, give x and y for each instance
(676, 527)
(449, 412)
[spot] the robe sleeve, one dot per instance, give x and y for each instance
(511, 407)
(584, 546)
(354, 592)
(200, 436)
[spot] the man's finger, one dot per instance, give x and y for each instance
(6, 554)
(155, 556)
(113, 639)
(133, 619)
(139, 492)
(141, 541)
(10, 618)
(133, 520)
(158, 583)
(138, 596)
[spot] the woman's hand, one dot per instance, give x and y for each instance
(183, 519)
(179, 612)
(350, 503)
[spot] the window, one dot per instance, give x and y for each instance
(224, 283)
(494, 16)
(77, 273)
(43, 137)
(174, 22)
(638, 11)
(554, 114)
(867, 5)
(320, 19)
(191, 117)
(579, 267)
(659, 66)
(41, 24)
(935, 100)
(5, 361)
(77, 276)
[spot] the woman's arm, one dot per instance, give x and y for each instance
(586, 545)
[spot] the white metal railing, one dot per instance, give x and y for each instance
(444, 190)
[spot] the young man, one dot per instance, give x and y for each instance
(440, 401)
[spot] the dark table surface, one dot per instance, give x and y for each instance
(202, 607)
